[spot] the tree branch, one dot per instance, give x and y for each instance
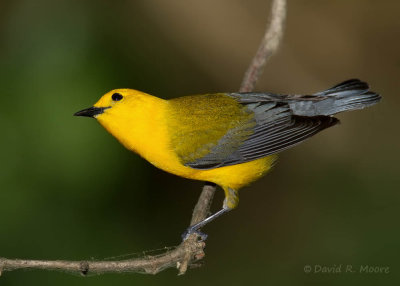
(191, 250)
(269, 45)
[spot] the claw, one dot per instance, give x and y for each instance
(195, 228)
(192, 230)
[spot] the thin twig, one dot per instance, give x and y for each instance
(200, 212)
(148, 264)
(269, 45)
(191, 250)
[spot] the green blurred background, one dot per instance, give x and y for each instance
(69, 190)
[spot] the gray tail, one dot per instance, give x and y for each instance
(349, 95)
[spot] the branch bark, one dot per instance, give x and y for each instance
(269, 45)
(191, 250)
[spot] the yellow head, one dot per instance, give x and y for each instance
(116, 103)
(125, 113)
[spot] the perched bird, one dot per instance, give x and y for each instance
(230, 139)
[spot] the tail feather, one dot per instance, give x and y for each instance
(349, 95)
(348, 87)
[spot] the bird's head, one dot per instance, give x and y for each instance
(123, 112)
(116, 102)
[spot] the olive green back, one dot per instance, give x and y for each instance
(197, 123)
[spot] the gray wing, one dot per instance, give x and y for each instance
(276, 129)
(283, 121)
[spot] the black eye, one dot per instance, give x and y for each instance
(116, 96)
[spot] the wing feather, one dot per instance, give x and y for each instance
(280, 122)
(269, 139)
(216, 130)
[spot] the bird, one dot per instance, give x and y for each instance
(227, 139)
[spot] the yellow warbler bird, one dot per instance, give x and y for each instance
(230, 139)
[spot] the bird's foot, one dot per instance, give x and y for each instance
(193, 230)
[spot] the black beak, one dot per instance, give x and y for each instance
(91, 111)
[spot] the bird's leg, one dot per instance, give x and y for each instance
(195, 228)
(230, 202)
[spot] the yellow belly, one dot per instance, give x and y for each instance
(237, 176)
(234, 177)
